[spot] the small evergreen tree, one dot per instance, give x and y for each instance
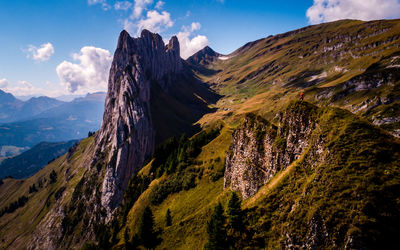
(147, 234)
(168, 218)
(234, 212)
(215, 229)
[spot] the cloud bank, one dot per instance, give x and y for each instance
(24, 88)
(89, 74)
(332, 10)
(3, 83)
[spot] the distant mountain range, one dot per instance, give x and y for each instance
(63, 98)
(47, 119)
(13, 109)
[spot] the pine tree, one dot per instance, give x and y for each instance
(215, 229)
(147, 234)
(234, 211)
(168, 218)
(130, 243)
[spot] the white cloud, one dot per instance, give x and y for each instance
(159, 5)
(189, 45)
(103, 4)
(155, 21)
(124, 5)
(3, 83)
(331, 10)
(43, 53)
(130, 26)
(139, 7)
(90, 74)
(195, 26)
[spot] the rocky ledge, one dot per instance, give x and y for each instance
(260, 149)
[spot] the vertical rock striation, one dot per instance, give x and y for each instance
(261, 149)
(127, 133)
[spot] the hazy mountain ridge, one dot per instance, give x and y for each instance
(71, 120)
(13, 109)
(330, 178)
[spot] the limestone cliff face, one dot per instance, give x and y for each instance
(260, 149)
(127, 133)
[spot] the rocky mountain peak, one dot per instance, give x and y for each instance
(127, 134)
(204, 56)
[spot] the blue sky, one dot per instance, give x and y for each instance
(78, 37)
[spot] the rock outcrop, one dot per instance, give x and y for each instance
(261, 149)
(127, 132)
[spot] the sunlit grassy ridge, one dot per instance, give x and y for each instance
(348, 193)
(16, 229)
(263, 76)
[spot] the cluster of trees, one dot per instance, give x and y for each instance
(171, 158)
(176, 154)
(174, 184)
(90, 133)
(224, 230)
(14, 205)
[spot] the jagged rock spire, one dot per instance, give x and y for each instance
(127, 133)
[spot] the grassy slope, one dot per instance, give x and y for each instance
(265, 75)
(32, 160)
(189, 208)
(352, 190)
(16, 228)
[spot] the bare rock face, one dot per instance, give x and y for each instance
(261, 149)
(127, 133)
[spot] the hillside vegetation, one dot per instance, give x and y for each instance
(326, 170)
(32, 160)
(346, 199)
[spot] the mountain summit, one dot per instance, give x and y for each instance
(152, 95)
(127, 130)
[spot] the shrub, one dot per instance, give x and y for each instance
(53, 177)
(32, 189)
(59, 193)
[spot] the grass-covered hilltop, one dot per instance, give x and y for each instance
(219, 152)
